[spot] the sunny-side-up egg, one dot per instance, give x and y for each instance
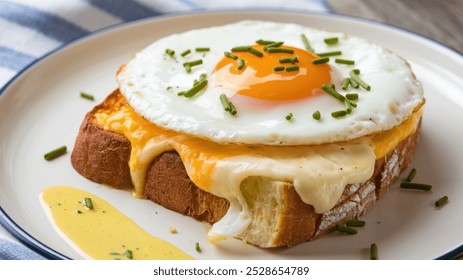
(265, 97)
(274, 91)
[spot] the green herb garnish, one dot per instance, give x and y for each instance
(373, 251)
(289, 117)
(354, 74)
(186, 52)
(306, 43)
(240, 63)
(352, 96)
(55, 153)
(292, 68)
(329, 53)
(345, 83)
(264, 42)
(227, 105)
(241, 49)
(197, 247)
(255, 52)
(87, 96)
(289, 59)
(278, 68)
(344, 61)
(230, 55)
(415, 186)
(344, 229)
(355, 223)
(331, 41)
(128, 254)
(170, 52)
(273, 45)
(338, 114)
(411, 175)
(441, 201)
(279, 50)
(195, 89)
(202, 49)
(316, 115)
(321, 60)
(88, 203)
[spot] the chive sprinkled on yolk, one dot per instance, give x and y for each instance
(263, 77)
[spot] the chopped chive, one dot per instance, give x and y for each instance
(345, 84)
(289, 59)
(292, 68)
(331, 91)
(114, 254)
(279, 50)
(240, 64)
(168, 87)
(195, 89)
(353, 83)
(273, 45)
(186, 52)
(331, 41)
(255, 52)
(88, 202)
(441, 201)
(230, 55)
(202, 49)
(373, 251)
(354, 76)
(352, 96)
(182, 93)
(55, 153)
(316, 115)
(411, 175)
(190, 64)
(345, 229)
(225, 103)
(321, 60)
(241, 49)
(278, 68)
(170, 52)
(87, 96)
(338, 114)
(194, 62)
(329, 53)
(289, 117)
(264, 42)
(306, 43)
(232, 109)
(198, 249)
(348, 105)
(344, 61)
(128, 254)
(355, 223)
(415, 186)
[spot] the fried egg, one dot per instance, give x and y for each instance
(272, 106)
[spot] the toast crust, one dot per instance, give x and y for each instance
(102, 156)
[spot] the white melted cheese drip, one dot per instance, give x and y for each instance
(319, 175)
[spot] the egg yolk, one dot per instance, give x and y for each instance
(259, 78)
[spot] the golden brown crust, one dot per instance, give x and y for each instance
(102, 156)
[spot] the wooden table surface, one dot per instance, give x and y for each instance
(441, 20)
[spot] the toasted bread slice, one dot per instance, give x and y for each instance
(279, 216)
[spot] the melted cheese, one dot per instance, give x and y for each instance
(102, 232)
(318, 173)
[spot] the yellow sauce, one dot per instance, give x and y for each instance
(102, 232)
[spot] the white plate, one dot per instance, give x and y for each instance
(41, 109)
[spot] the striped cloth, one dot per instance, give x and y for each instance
(29, 29)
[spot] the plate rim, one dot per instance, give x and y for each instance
(37, 246)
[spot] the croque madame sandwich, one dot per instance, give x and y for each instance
(273, 133)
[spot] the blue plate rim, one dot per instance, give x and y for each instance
(29, 241)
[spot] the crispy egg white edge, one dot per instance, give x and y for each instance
(145, 80)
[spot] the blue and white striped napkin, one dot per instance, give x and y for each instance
(30, 29)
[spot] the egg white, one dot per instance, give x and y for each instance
(151, 80)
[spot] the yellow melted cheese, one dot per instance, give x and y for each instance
(318, 173)
(102, 232)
